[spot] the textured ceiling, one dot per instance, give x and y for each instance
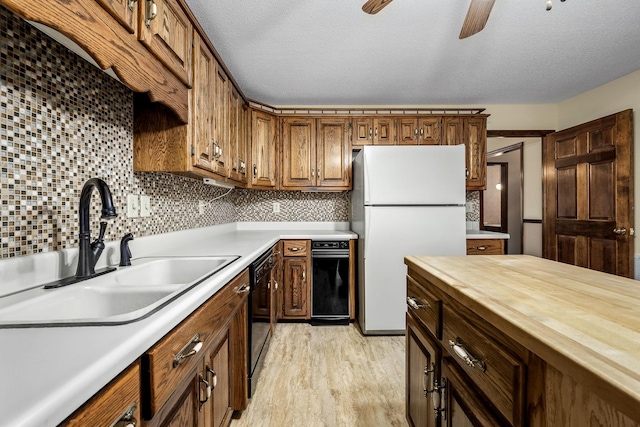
(329, 52)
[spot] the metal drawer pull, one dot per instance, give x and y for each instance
(304, 274)
(481, 248)
(275, 284)
(188, 350)
(464, 354)
(132, 3)
(428, 370)
(242, 289)
(413, 303)
(207, 390)
(437, 398)
(294, 249)
(620, 230)
(127, 419)
(152, 12)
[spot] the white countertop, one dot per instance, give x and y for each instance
(47, 373)
(482, 234)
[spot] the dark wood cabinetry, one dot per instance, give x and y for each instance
(296, 276)
(264, 150)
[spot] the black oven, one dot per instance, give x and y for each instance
(259, 316)
(330, 285)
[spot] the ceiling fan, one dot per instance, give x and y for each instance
(476, 19)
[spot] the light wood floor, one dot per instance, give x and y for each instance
(329, 376)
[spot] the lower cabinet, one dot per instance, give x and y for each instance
(196, 375)
(118, 404)
(296, 289)
(485, 246)
(472, 375)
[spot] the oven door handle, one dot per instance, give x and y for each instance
(330, 254)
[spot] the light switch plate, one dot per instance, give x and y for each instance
(145, 206)
(133, 206)
(201, 205)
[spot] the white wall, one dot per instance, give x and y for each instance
(615, 96)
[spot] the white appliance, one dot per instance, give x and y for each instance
(406, 200)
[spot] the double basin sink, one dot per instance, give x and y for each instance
(125, 295)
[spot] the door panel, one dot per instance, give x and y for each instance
(299, 153)
(264, 148)
(384, 131)
(407, 131)
(203, 100)
(333, 153)
(588, 187)
(362, 131)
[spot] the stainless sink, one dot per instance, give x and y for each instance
(126, 295)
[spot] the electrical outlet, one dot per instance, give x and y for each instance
(133, 206)
(276, 207)
(469, 206)
(201, 205)
(145, 206)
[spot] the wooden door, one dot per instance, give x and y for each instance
(384, 131)
(423, 358)
(243, 141)
(461, 405)
(452, 131)
(362, 131)
(588, 195)
(298, 152)
(475, 140)
(125, 12)
(202, 111)
(333, 153)
(264, 150)
(429, 130)
(168, 35)
(408, 131)
(185, 408)
(295, 289)
(218, 411)
(221, 140)
(235, 109)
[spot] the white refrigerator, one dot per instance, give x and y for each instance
(406, 200)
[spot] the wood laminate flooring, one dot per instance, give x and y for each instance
(329, 376)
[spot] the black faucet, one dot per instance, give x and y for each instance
(125, 252)
(90, 252)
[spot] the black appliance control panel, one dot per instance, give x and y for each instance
(343, 244)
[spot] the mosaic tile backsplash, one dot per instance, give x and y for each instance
(63, 121)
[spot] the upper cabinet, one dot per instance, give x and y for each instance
(202, 108)
(475, 138)
(373, 131)
(167, 32)
(316, 153)
(419, 130)
(264, 150)
(125, 11)
(237, 137)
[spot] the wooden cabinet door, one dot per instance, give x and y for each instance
(384, 131)
(429, 130)
(362, 131)
(125, 12)
(452, 131)
(186, 406)
(243, 142)
(218, 407)
(202, 111)
(168, 35)
(298, 152)
(236, 152)
(333, 167)
(475, 139)
(407, 131)
(264, 150)
(462, 405)
(295, 290)
(221, 140)
(423, 359)
(108, 406)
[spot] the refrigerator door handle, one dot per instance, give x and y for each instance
(367, 224)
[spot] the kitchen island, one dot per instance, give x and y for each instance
(520, 340)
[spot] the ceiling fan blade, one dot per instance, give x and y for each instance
(374, 6)
(477, 16)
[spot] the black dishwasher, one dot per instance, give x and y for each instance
(330, 285)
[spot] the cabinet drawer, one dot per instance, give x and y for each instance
(494, 370)
(166, 370)
(295, 248)
(485, 247)
(424, 306)
(114, 402)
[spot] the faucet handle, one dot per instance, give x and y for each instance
(103, 228)
(125, 251)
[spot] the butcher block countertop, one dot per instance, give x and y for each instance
(583, 322)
